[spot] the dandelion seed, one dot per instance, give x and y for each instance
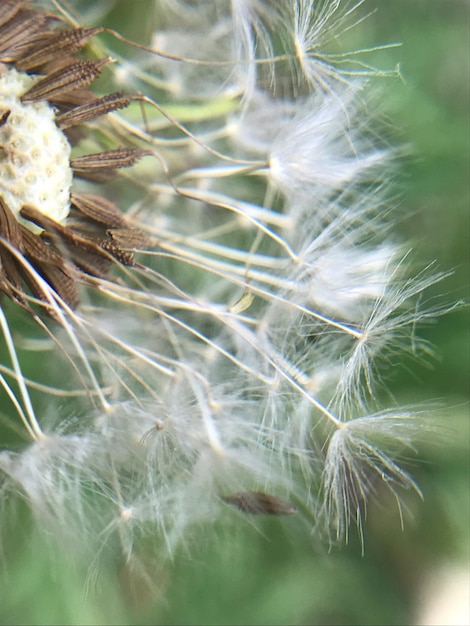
(358, 464)
(257, 502)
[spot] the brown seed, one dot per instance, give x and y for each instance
(73, 98)
(52, 267)
(58, 43)
(259, 503)
(9, 225)
(9, 8)
(109, 160)
(93, 255)
(128, 237)
(78, 74)
(92, 110)
(98, 209)
(10, 231)
(16, 34)
(59, 233)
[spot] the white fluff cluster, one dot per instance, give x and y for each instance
(244, 352)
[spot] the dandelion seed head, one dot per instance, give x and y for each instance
(52, 236)
(255, 289)
(34, 153)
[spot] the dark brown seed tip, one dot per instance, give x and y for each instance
(260, 503)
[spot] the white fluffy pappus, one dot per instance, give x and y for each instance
(235, 354)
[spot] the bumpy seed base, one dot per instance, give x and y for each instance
(34, 154)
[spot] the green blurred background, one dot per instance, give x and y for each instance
(277, 573)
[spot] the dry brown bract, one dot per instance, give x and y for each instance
(96, 233)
